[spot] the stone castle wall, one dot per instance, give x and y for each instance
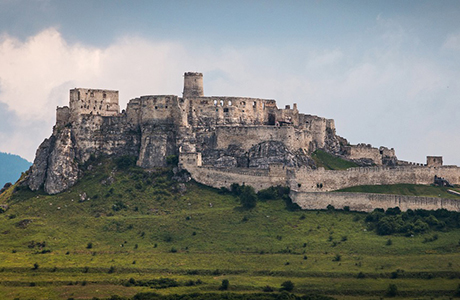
(368, 202)
(308, 180)
(94, 101)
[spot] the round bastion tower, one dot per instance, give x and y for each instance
(193, 85)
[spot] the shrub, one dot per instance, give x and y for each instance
(389, 242)
(337, 257)
(89, 246)
(172, 160)
(392, 290)
(126, 161)
(224, 285)
(267, 289)
(248, 198)
(361, 275)
(287, 286)
(36, 266)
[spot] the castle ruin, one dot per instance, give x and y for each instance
(220, 140)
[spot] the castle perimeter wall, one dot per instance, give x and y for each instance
(248, 136)
(307, 180)
(258, 179)
(369, 202)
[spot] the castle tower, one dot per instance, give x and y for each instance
(193, 85)
(434, 161)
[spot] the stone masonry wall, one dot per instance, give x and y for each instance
(368, 202)
(93, 101)
(327, 180)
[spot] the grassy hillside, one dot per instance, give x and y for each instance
(11, 167)
(331, 162)
(404, 189)
(133, 228)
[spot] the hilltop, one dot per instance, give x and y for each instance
(221, 141)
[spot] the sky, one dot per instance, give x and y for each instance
(387, 72)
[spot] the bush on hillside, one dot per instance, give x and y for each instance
(248, 198)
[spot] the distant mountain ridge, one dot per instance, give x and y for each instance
(11, 166)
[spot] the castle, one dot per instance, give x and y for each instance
(224, 140)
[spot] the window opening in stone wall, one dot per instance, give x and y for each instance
(104, 95)
(225, 109)
(92, 94)
(215, 102)
(79, 95)
(221, 102)
(230, 102)
(254, 104)
(156, 107)
(263, 105)
(271, 119)
(243, 103)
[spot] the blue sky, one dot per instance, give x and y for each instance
(388, 72)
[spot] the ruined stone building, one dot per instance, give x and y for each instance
(219, 140)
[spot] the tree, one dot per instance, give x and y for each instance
(287, 286)
(248, 198)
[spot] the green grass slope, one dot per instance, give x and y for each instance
(331, 162)
(134, 228)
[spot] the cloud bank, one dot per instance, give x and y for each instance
(380, 95)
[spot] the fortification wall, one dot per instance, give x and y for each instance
(93, 101)
(364, 151)
(316, 129)
(158, 109)
(62, 115)
(307, 180)
(368, 202)
(257, 178)
(248, 136)
(218, 110)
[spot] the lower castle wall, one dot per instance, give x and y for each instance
(307, 180)
(368, 202)
(258, 179)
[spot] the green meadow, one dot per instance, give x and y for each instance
(123, 231)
